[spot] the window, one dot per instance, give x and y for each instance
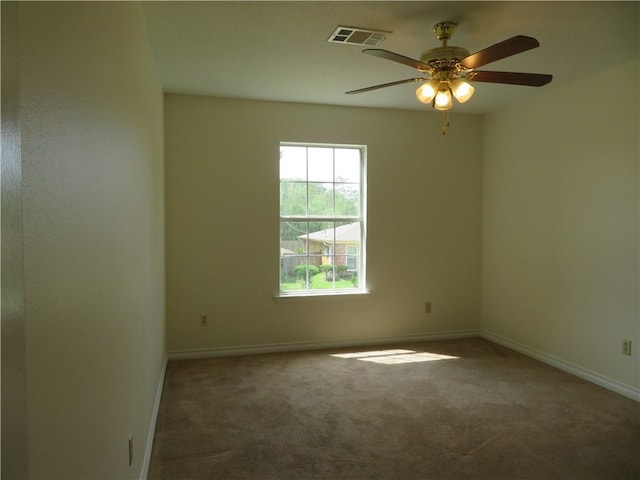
(322, 213)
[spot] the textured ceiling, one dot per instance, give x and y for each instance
(279, 50)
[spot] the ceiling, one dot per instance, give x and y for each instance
(279, 50)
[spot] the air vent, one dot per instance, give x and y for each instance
(357, 36)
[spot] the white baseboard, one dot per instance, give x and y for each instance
(146, 461)
(593, 377)
(301, 346)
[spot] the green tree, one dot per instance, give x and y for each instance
(321, 197)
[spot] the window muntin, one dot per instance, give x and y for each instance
(322, 229)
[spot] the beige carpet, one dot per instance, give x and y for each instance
(463, 409)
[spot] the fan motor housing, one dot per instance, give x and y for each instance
(444, 53)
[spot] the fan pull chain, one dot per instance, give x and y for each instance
(446, 123)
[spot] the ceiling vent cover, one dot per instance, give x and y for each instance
(357, 36)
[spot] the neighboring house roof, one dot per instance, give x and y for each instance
(343, 234)
(286, 251)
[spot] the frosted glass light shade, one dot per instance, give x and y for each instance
(462, 90)
(443, 100)
(426, 92)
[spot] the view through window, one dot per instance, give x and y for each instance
(322, 229)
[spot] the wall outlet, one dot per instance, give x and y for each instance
(204, 321)
(427, 307)
(626, 346)
(130, 450)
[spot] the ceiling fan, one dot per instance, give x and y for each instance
(448, 69)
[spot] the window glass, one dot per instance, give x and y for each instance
(321, 219)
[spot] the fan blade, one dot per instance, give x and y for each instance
(384, 85)
(504, 49)
(529, 79)
(396, 57)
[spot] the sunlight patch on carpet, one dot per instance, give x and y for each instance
(393, 357)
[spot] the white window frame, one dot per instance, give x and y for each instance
(361, 270)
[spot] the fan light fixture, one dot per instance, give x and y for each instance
(427, 91)
(462, 90)
(443, 100)
(440, 94)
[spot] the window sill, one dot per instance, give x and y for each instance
(307, 297)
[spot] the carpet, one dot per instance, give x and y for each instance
(453, 409)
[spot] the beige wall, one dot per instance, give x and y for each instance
(424, 232)
(92, 151)
(560, 222)
(13, 388)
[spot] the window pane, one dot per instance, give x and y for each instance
(320, 238)
(343, 276)
(293, 258)
(321, 199)
(292, 270)
(293, 198)
(347, 199)
(320, 164)
(347, 165)
(293, 163)
(347, 233)
(293, 235)
(352, 263)
(352, 258)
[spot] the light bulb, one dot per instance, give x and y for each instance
(443, 100)
(462, 90)
(426, 91)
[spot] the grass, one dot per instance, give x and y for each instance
(318, 282)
